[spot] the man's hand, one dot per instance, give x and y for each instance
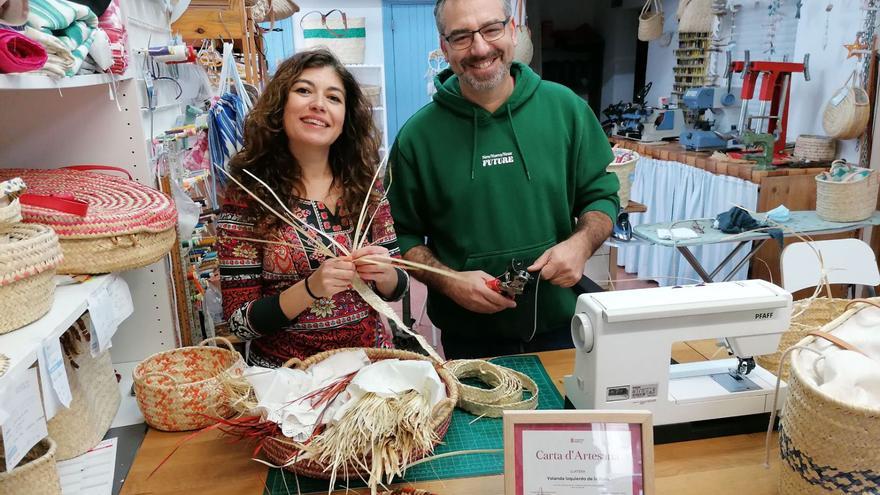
(472, 293)
(563, 264)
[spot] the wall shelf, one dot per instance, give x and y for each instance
(15, 82)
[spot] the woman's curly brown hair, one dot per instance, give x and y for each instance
(353, 157)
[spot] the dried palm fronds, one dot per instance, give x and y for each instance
(506, 393)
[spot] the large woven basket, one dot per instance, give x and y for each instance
(624, 171)
(815, 148)
(36, 474)
(651, 21)
(180, 389)
(127, 225)
(343, 35)
(847, 112)
(280, 452)
(29, 255)
(847, 201)
(808, 315)
(827, 446)
(95, 397)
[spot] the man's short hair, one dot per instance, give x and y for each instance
(505, 4)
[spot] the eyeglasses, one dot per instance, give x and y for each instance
(462, 40)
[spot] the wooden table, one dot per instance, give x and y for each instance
(210, 465)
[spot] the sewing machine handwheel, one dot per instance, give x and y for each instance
(582, 332)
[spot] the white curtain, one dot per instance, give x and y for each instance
(673, 191)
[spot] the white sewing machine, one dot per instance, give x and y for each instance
(624, 343)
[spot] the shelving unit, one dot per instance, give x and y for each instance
(374, 75)
(15, 82)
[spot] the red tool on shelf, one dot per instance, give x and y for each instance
(775, 92)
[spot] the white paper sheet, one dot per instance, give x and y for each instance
(26, 424)
(53, 378)
(108, 307)
(91, 473)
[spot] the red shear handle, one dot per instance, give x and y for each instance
(64, 203)
(89, 168)
(494, 284)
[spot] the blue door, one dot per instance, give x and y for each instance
(278, 43)
(409, 38)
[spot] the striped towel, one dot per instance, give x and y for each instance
(60, 60)
(111, 22)
(225, 130)
(72, 24)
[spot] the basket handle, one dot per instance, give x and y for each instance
(836, 341)
(90, 167)
(216, 339)
(324, 20)
(65, 203)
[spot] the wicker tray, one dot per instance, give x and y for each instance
(126, 225)
(29, 255)
(280, 452)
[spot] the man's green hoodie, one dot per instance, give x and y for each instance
(484, 188)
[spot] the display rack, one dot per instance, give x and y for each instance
(14, 82)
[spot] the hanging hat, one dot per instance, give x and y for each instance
(13, 12)
(97, 6)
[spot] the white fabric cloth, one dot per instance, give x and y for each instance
(848, 376)
(675, 191)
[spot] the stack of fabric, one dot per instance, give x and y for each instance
(18, 53)
(111, 22)
(74, 26)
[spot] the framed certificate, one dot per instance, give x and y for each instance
(578, 452)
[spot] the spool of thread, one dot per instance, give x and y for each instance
(173, 54)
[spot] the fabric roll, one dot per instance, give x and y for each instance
(18, 53)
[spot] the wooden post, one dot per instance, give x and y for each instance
(181, 301)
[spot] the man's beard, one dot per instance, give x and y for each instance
(492, 81)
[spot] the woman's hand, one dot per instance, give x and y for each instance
(384, 275)
(333, 276)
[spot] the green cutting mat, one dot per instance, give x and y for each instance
(485, 433)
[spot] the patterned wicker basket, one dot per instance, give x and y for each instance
(827, 446)
(280, 452)
(36, 474)
(95, 396)
(29, 255)
(815, 148)
(125, 225)
(180, 389)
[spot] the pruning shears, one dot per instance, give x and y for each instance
(512, 282)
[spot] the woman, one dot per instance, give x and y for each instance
(311, 137)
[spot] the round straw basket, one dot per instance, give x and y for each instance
(280, 452)
(35, 474)
(180, 389)
(827, 446)
(29, 254)
(624, 172)
(815, 148)
(846, 114)
(809, 315)
(125, 224)
(95, 398)
(651, 21)
(847, 201)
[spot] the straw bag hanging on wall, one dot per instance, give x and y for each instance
(651, 21)
(524, 48)
(345, 36)
(272, 10)
(695, 16)
(846, 114)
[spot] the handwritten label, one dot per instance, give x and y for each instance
(108, 307)
(53, 378)
(26, 424)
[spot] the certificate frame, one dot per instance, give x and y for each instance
(517, 422)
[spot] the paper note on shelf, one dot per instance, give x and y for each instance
(108, 307)
(53, 377)
(26, 424)
(91, 472)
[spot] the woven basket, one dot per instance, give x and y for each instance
(815, 148)
(127, 225)
(810, 315)
(180, 389)
(624, 172)
(651, 21)
(846, 114)
(372, 93)
(29, 255)
(847, 201)
(827, 446)
(280, 452)
(10, 207)
(95, 397)
(10, 213)
(36, 474)
(695, 16)
(344, 36)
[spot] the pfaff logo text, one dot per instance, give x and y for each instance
(763, 316)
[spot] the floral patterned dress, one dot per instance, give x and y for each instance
(250, 271)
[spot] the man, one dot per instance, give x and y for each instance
(496, 169)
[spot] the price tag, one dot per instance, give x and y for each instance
(108, 307)
(53, 378)
(26, 424)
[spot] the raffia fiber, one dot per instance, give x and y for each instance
(506, 393)
(181, 389)
(36, 474)
(827, 446)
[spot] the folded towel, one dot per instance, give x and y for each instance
(72, 24)
(18, 53)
